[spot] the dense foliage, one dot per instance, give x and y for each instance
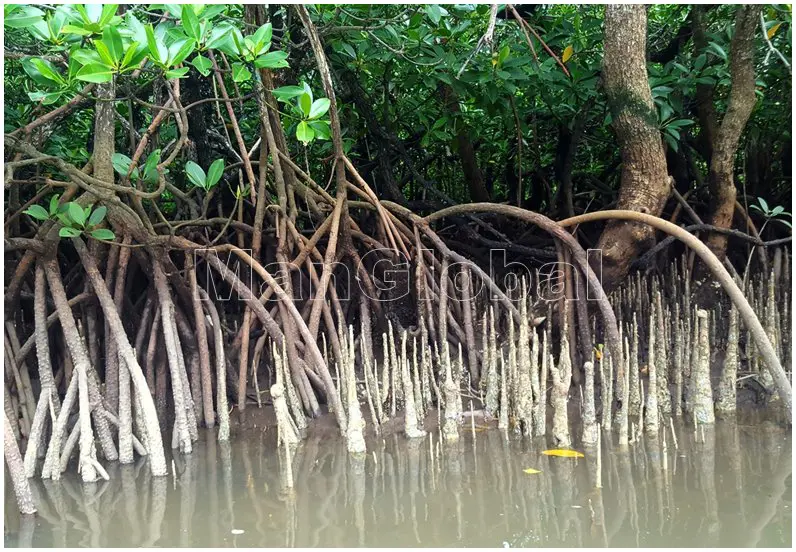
(396, 67)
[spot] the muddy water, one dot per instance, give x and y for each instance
(733, 489)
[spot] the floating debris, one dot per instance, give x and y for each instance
(563, 453)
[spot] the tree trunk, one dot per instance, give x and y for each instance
(472, 173)
(569, 138)
(645, 183)
(739, 108)
(706, 111)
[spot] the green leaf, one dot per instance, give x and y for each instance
(151, 167)
(86, 57)
(321, 129)
(202, 64)
(179, 51)
(177, 73)
(682, 68)
(434, 13)
(209, 11)
(263, 35)
(75, 29)
(249, 48)
(54, 204)
(239, 41)
(113, 40)
(136, 28)
(304, 132)
(718, 50)
(348, 49)
(504, 54)
(95, 73)
(37, 212)
(108, 11)
(763, 204)
(307, 90)
(319, 107)
(48, 70)
(287, 92)
(190, 22)
(240, 73)
(104, 53)
(83, 13)
(195, 174)
(680, 123)
(661, 91)
(305, 103)
(22, 17)
(68, 232)
(76, 213)
(97, 215)
(152, 42)
(103, 234)
(46, 98)
(121, 163)
(43, 73)
(272, 60)
(214, 173)
(221, 37)
(777, 210)
(130, 56)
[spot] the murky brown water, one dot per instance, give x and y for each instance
(732, 490)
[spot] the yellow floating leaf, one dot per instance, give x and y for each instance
(531, 471)
(563, 453)
(568, 51)
(773, 30)
(598, 352)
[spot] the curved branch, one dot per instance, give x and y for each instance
(721, 274)
(557, 231)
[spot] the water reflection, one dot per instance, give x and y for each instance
(721, 486)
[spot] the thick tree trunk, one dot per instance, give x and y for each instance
(645, 183)
(739, 108)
